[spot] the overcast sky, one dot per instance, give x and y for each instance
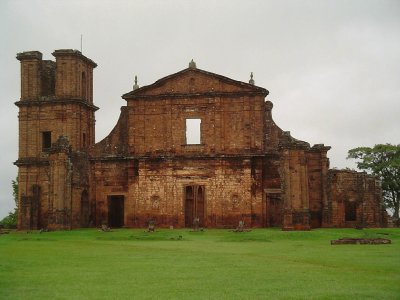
(332, 67)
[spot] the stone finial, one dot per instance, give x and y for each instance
(192, 64)
(135, 86)
(251, 81)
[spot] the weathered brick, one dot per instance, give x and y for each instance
(245, 168)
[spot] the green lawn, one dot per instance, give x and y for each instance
(215, 264)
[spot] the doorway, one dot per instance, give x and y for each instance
(194, 205)
(116, 211)
(274, 210)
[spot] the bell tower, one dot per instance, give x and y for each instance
(74, 87)
(56, 102)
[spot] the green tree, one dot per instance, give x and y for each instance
(10, 221)
(383, 161)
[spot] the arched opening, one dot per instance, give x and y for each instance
(194, 205)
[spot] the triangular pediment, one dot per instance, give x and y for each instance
(193, 81)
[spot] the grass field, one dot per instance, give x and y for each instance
(214, 264)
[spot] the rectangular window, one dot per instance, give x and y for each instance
(193, 131)
(46, 140)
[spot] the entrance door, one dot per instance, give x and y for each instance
(274, 209)
(115, 211)
(194, 205)
(315, 219)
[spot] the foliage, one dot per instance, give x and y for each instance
(384, 162)
(214, 264)
(10, 221)
(14, 184)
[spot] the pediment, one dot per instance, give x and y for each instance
(193, 81)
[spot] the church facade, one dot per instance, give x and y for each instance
(194, 145)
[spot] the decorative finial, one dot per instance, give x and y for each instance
(192, 64)
(135, 86)
(251, 81)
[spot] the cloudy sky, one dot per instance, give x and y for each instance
(332, 67)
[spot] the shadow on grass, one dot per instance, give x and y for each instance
(144, 236)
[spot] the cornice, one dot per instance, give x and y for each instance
(45, 101)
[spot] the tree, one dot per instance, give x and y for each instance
(14, 184)
(10, 221)
(382, 161)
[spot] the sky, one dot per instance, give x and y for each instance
(332, 67)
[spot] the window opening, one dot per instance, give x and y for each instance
(46, 140)
(193, 131)
(351, 211)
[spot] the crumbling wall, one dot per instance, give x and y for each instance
(116, 143)
(295, 190)
(355, 199)
(317, 172)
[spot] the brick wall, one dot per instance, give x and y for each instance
(360, 191)
(245, 168)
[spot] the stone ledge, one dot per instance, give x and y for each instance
(54, 101)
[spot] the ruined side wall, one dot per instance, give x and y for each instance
(315, 184)
(295, 188)
(353, 190)
(116, 143)
(317, 169)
